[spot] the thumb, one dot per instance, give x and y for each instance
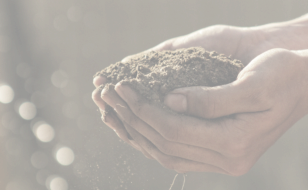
(213, 102)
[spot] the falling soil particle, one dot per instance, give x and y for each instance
(156, 73)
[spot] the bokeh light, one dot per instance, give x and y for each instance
(27, 110)
(56, 183)
(39, 160)
(6, 94)
(65, 156)
(59, 78)
(44, 132)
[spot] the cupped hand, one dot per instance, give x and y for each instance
(225, 129)
(244, 44)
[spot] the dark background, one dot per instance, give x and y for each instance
(49, 51)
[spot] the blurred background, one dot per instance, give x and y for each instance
(51, 135)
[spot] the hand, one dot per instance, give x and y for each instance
(242, 43)
(268, 97)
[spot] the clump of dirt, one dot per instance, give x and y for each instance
(156, 73)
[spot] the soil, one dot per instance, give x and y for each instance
(156, 73)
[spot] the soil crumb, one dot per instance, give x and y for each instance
(156, 73)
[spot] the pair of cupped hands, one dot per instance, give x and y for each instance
(224, 129)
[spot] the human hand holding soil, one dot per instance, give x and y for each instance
(268, 97)
(264, 105)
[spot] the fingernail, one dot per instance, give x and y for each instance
(176, 102)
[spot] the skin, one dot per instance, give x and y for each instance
(225, 129)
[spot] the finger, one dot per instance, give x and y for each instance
(115, 124)
(99, 80)
(169, 148)
(147, 155)
(121, 131)
(96, 97)
(171, 162)
(174, 127)
(245, 95)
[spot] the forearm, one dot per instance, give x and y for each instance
(292, 35)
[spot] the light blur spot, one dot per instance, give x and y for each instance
(27, 110)
(59, 79)
(90, 50)
(39, 20)
(6, 94)
(86, 122)
(71, 68)
(65, 156)
(71, 109)
(14, 146)
(39, 160)
(41, 176)
(70, 89)
(56, 183)
(45, 132)
(60, 22)
(4, 44)
(92, 20)
(74, 14)
(40, 99)
(23, 70)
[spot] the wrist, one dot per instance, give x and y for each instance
(291, 35)
(302, 56)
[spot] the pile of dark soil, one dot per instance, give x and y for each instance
(154, 74)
